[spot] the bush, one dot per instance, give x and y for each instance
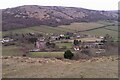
(76, 42)
(50, 45)
(68, 54)
(79, 55)
(86, 51)
(24, 55)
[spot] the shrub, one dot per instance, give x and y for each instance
(50, 45)
(86, 51)
(32, 40)
(68, 54)
(53, 45)
(24, 55)
(79, 55)
(76, 42)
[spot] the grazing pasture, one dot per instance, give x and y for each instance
(102, 32)
(47, 54)
(81, 26)
(86, 28)
(68, 45)
(11, 51)
(39, 29)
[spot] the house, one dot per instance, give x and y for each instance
(40, 43)
(53, 38)
(100, 51)
(76, 48)
(101, 37)
(89, 44)
(5, 40)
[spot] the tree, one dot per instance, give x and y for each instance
(80, 41)
(32, 40)
(76, 42)
(68, 54)
(108, 40)
(50, 45)
(86, 51)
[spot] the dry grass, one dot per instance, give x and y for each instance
(17, 67)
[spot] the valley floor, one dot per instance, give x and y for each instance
(19, 67)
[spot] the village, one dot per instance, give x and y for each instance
(75, 42)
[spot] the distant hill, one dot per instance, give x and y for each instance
(33, 15)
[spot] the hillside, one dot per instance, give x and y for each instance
(33, 15)
(19, 67)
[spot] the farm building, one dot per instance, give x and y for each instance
(40, 44)
(89, 44)
(6, 40)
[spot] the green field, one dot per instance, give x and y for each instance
(82, 26)
(15, 51)
(102, 32)
(99, 32)
(74, 27)
(68, 45)
(108, 22)
(39, 29)
(113, 27)
(11, 51)
(47, 54)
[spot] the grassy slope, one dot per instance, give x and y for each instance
(105, 67)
